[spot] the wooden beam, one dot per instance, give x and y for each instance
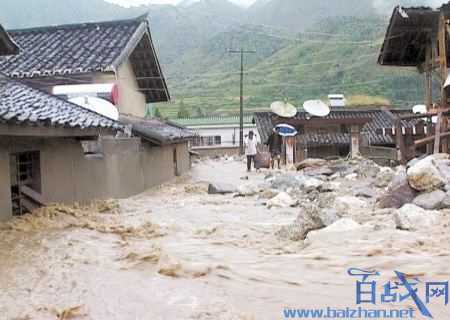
(428, 140)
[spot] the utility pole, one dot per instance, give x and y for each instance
(242, 52)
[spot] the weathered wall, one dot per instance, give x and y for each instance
(127, 167)
(131, 100)
(217, 151)
(5, 192)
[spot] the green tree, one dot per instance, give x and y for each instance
(182, 111)
(157, 113)
(200, 113)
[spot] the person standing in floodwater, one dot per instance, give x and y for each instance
(250, 149)
(274, 143)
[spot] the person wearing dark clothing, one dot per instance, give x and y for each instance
(274, 143)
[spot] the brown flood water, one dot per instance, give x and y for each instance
(178, 253)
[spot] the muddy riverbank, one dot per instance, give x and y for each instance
(178, 253)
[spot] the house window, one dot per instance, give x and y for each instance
(25, 171)
(202, 141)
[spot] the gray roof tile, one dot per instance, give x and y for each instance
(23, 104)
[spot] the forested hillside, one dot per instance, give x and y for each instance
(304, 49)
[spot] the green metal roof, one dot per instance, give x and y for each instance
(212, 121)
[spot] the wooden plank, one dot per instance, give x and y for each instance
(33, 195)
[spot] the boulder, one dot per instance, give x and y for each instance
(328, 216)
(431, 200)
(248, 189)
(284, 182)
(268, 193)
(307, 221)
(330, 186)
(397, 196)
(221, 188)
(309, 184)
(446, 202)
(385, 177)
(338, 227)
(430, 173)
(308, 163)
(365, 192)
(282, 200)
(320, 171)
(411, 217)
(349, 203)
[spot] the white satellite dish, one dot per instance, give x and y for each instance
(420, 109)
(283, 109)
(98, 105)
(316, 108)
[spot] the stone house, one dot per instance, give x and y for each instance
(52, 150)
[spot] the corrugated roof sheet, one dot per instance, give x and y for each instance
(20, 103)
(86, 48)
(157, 131)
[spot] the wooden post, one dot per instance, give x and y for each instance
(400, 142)
(355, 138)
(429, 77)
(437, 134)
(429, 127)
(442, 38)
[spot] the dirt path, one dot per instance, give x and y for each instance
(178, 253)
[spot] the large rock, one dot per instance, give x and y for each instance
(310, 184)
(282, 200)
(249, 189)
(339, 227)
(446, 202)
(430, 173)
(349, 204)
(221, 188)
(399, 192)
(320, 171)
(365, 192)
(411, 217)
(384, 177)
(431, 200)
(298, 181)
(308, 220)
(308, 163)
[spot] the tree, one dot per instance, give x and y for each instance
(157, 113)
(199, 112)
(182, 111)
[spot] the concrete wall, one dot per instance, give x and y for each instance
(226, 133)
(217, 151)
(131, 100)
(128, 167)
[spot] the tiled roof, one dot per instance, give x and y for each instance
(373, 129)
(77, 49)
(406, 38)
(22, 104)
(7, 45)
(157, 131)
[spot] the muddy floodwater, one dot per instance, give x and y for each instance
(178, 253)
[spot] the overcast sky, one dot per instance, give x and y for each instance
(139, 2)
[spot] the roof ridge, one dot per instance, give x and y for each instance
(138, 20)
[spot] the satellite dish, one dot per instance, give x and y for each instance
(420, 108)
(98, 105)
(286, 130)
(283, 109)
(316, 108)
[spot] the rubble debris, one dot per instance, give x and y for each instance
(248, 189)
(384, 177)
(412, 218)
(365, 192)
(431, 200)
(221, 188)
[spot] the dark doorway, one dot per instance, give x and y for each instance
(25, 168)
(175, 162)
